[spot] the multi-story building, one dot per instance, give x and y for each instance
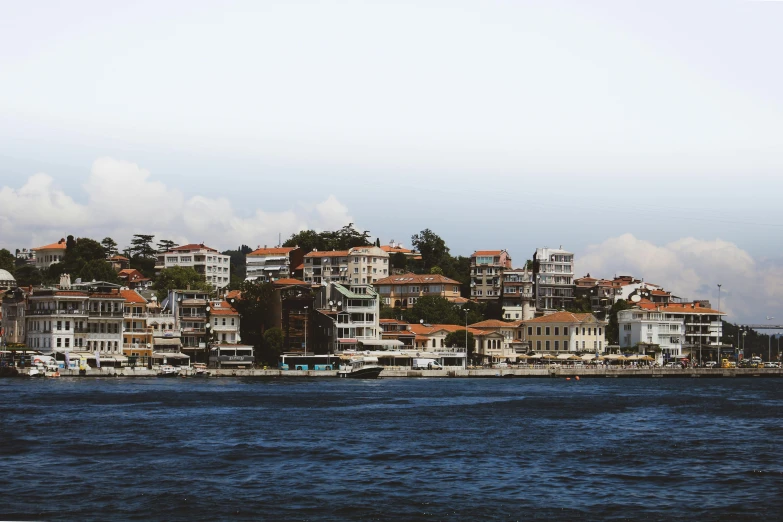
(46, 256)
(224, 322)
(498, 340)
(486, 273)
(166, 334)
(326, 266)
(703, 326)
(398, 330)
(28, 256)
(348, 319)
(270, 264)
(553, 270)
(566, 332)
(366, 265)
(652, 332)
(402, 291)
(7, 281)
(189, 308)
(57, 320)
(215, 267)
(137, 336)
(133, 279)
(519, 302)
(13, 317)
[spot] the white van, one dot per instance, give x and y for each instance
(426, 364)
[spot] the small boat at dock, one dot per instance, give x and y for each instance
(360, 367)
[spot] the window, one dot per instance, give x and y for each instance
(565, 345)
(59, 342)
(547, 345)
(546, 329)
(583, 331)
(557, 331)
(59, 325)
(557, 345)
(538, 330)
(530, 330)
(599, 331)
(538, 345)
(583, 345)
(565, 330)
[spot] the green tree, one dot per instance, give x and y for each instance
(178, 278)
(164, 245)
(580, 305)
(307, 240)
(457, 339)
(141, 246)
(255, 308)
(273, 344)
(613, 327)
(436, 270)
(28, 275)
(7, 261)
(98, 270)
(238, 264)
(399, 260)
(109, 247)
(431, 247)
(345, 238)
(433, 310)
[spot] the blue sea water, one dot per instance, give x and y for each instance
(391, 449)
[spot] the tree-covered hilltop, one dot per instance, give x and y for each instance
(343, 239)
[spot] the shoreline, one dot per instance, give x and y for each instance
(458, 374)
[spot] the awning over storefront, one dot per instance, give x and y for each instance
(347, 341)
(159, 341)
(158, 355)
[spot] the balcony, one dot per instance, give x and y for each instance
(105, 313)
(30, 311)
(194, 331)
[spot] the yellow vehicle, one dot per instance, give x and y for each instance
(724, 363)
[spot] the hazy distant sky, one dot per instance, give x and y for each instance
(497, 124)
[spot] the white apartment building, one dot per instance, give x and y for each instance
(326, 267)
(224, 322)
(270, 264)
(215, 267)
(367, 264)
(46, 256)
(355, 316)
(553, 269)
(644, 328)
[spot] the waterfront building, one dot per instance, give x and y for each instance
(166, 332)
(215, 267)
(519, 302)
(366, 265)
(189, 308)
(703, 325)
(269, 264)
(224, 322)
(553, 270)
(651, 332)
(12, 323)
(47, 255)
(564, 332)
(498, 341)
(398, 330)
(402, 291)
(486, 273)
(348, 318)
(137, 334)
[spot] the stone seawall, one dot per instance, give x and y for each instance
(480, 373)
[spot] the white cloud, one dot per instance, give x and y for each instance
(693, 268)
(123, 199)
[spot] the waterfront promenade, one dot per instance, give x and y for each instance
(541, 372)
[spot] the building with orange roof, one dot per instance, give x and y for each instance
(224, 321)
(553, 272)
(356, 266)
(119, 262)
(499, 341)
(133, 279)
(402, 291)
(486, 273)
(566, 332)
(137, 334)
(268, 264)
(214, 266)
(47, 255)
(326, 266)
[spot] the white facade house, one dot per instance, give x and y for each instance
(326, 267)
(554, 278)
(644, 328)
(224, 322)
(355, 313)
(367, 264)
(519, 301)
(46, 256)
(215, 267)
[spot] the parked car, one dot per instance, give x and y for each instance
(673, 365)
(710, 364)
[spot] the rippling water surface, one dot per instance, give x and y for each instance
(428, 449)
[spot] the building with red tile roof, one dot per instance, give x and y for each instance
(486, 273)
(47, 255)
(215, 267)
(565, 332)
(402, 291)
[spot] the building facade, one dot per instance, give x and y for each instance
(519, 301)
(224, 323)
(13, 317)
(215, 267)
(553, 271)
(402, 291)
(564, 332)
(46, 256)
(326, 267)
(270, 264)
(486, 273)
(652, 332)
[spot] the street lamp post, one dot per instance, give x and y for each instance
(769, 343)
(466, 336)
(305, 329)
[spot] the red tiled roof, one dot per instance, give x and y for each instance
(234, 294)
(272, 251)
(679, 308)
(494, 323)
(424, 279)
(70, 293)
(118, 258)
(394, 250)
(659, 292)
(327, 253)
(132, 296)
(223, 309)
(192, 246)
(561, 317)
(132, 275)
(287, 281)
(59, 245)
(487, 253)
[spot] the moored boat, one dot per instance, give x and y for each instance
(360, 367)
(168, 371)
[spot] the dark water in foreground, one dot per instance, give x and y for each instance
(439, 449)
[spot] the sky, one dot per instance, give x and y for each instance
(645, 137)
